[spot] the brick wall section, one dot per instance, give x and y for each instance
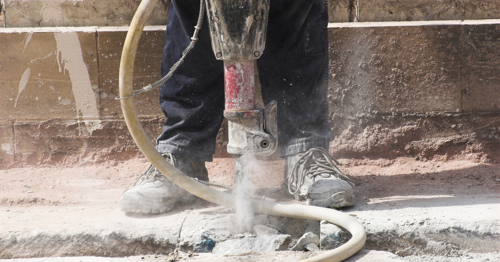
(425, 92)
(57, 90)
(421, 91)
(411, 10)
(48, 13)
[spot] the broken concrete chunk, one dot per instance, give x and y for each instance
(312, 247)
(285, 225)
(332, 236)
(260, 230)
(205, 244)
(306, 239)
(260, 244)
(205, 241)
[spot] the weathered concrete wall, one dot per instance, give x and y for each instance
(45, 13)
(411, 10)
(422, 91)
(57, 90)
(36, 13)
(415, 91)
(395, 90)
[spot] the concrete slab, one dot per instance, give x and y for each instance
(409, 10)
(423, 136)
(413, 87)
(438, 224)
(338, 11)
(7, 146)
(146, 69)
(249, 245)
(105, 232)
(48, 74)
(385, 68)
(36, 13)
(370, 72)
(63, 141)
(481, 68)
(49, 140)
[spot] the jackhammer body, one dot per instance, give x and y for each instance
(238, 33)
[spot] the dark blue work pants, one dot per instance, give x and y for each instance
(293, 71)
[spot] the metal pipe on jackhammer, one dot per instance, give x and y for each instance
(192, 186)
(239, 86)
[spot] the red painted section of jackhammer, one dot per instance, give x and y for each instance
(239, 85)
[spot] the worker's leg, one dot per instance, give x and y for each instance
(193, 102)
(294, 71)
(193, 99)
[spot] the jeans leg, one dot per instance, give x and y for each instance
(294, 71)
(193, 99)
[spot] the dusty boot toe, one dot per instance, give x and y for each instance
(314, 177)
(152, 197)
(331, 193)
(154, 193)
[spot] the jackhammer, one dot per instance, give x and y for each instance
(238, 32)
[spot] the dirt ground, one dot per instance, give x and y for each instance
(69, 185)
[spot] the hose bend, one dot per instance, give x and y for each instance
(192, 186)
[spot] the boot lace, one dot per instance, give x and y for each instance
(315, 162)
(152, 173)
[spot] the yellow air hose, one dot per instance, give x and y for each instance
(192, 186)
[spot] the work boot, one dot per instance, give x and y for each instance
(314, 177)
(154, 193)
